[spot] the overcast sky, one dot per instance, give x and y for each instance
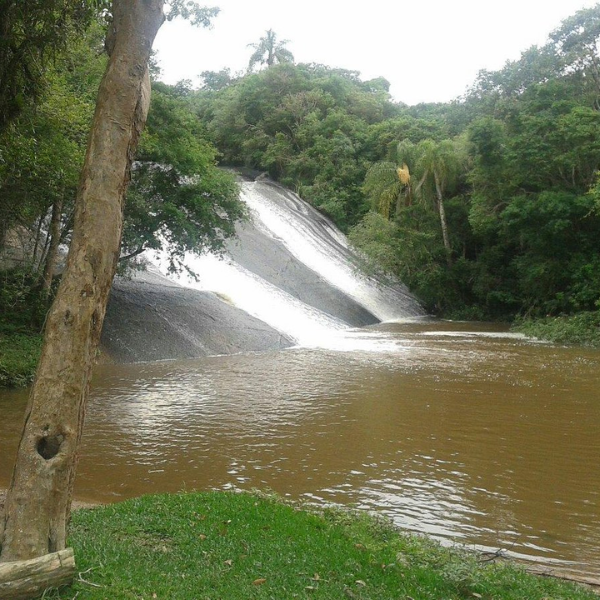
(429, 50)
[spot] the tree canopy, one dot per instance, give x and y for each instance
(179, 200)
(473, 195)
(31, 35)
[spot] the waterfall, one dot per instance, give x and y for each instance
(291, 268)
(316, 242)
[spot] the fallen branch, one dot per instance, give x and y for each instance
(593, 582)
(20, 580)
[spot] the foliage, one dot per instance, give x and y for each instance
(251, 546)
(23, 307)
(523, 231)
(178, 198)
(199, 16)
(32, 34)
(23, 304)
(35, 33)
(311, 127)
(582, 329)
(411, 247)
(576, 43)
(19, 355)
(42, 151)
(178, 201)
(216, 80)
(556, 251)
(383, 186)
(42, 154)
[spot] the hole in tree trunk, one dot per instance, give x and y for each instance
(48, 447)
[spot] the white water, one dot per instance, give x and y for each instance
(318, 244)
(321, 247)
(280, 310)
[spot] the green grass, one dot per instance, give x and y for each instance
(222, 545)
(582, 329)
(19, 355)
(23, 308)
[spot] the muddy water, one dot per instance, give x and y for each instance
(455, 430)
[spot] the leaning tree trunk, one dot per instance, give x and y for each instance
(443, 222)
(39, 499)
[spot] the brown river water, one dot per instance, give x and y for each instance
(457, 430)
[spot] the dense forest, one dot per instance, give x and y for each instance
(488, 207)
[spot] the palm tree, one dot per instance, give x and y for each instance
(268, 51)
(383, 187)
(388, 184)
(427, 171)
(439, 164)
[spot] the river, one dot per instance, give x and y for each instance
(461, 431)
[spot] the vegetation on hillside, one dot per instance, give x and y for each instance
(486, 206)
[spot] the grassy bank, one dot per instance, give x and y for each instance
(238, 546)
(581, 329)
(19, 354)
(23, 308)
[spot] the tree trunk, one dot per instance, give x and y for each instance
(39, 499)
(443, 222)
(400, 203)
(52, 254)
(38, 237)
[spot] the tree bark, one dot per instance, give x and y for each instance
(39, 499)
(38, 236)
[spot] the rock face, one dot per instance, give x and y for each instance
(290, 277)
(268, 258)
(150, 318)
(299, 250)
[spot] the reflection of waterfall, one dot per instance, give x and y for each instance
(292, 268)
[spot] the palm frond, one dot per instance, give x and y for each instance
(403, 174)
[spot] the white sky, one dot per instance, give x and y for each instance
(429, 50)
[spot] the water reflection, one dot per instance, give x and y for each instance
(489, 440)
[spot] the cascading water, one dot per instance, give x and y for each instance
(316, 242)
(261, 299)
(291, 268)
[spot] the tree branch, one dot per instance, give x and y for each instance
(137, 252)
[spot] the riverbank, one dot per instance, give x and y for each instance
(229, 545)
(77, 504)
(19, 352)
(19, 355)
(582, 329)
